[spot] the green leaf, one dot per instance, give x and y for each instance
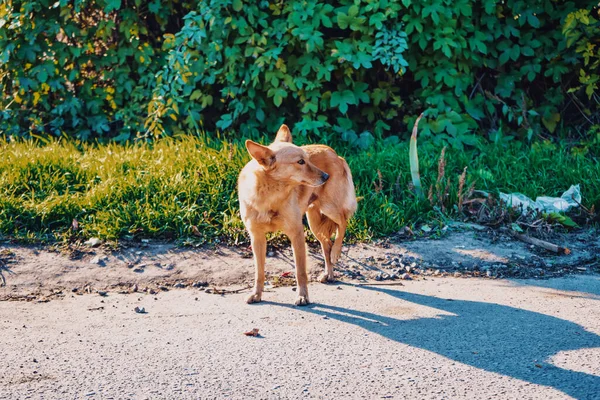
(377, 20)
(515, 52)
(414, 161)
(551, 122)
(533, 20)
(504, 56)
(342, 99)
(237, 5)
(112, 5)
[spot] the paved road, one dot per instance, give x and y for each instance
(432, 339)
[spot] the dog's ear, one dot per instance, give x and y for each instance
(284, 134)
(264, 155)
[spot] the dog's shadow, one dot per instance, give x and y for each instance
(510, 341)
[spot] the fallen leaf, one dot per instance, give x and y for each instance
(253, 332)
(195, 231)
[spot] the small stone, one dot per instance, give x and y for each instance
(138, 270)
(271, 254)
(93, 242)
(457, 274)
(180, 285)
(163, 288)
(99, 260)
(75, 290)
(140, 310)
(406, 277)
(103, 293)
(379, 277)
(488, 273)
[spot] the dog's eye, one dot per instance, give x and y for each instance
(301, 162)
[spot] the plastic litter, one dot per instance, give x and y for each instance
(569, 199)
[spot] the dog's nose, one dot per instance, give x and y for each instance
(325, 176)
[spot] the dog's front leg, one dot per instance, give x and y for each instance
(299, 248)
(259, 249)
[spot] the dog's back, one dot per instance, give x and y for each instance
(338, 192)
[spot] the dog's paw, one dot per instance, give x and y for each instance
(302, 301)
(325, 277)
(253, 298)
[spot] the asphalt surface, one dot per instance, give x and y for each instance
(432, 339)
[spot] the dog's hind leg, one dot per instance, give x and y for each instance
(259, 250)
(323, 227)
(336, 249)
(339, 222)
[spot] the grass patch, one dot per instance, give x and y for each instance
(186, 187)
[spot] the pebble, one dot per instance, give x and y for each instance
(180, 285)
(93, 242)
(406, 277)
(99, 260)
(271, 254)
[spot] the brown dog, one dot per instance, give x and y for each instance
(279, 185)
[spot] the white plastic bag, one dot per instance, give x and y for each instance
(569, 199)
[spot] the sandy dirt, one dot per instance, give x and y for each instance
(41, 273)
(434, 338)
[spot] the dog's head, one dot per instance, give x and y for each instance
(284, 161)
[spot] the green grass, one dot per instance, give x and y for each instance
(165, 188)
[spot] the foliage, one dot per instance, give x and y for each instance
(185, 188)
(342, 70)
(82, 68)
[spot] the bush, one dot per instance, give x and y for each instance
(341, 70)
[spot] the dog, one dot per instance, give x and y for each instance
(280, 184)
